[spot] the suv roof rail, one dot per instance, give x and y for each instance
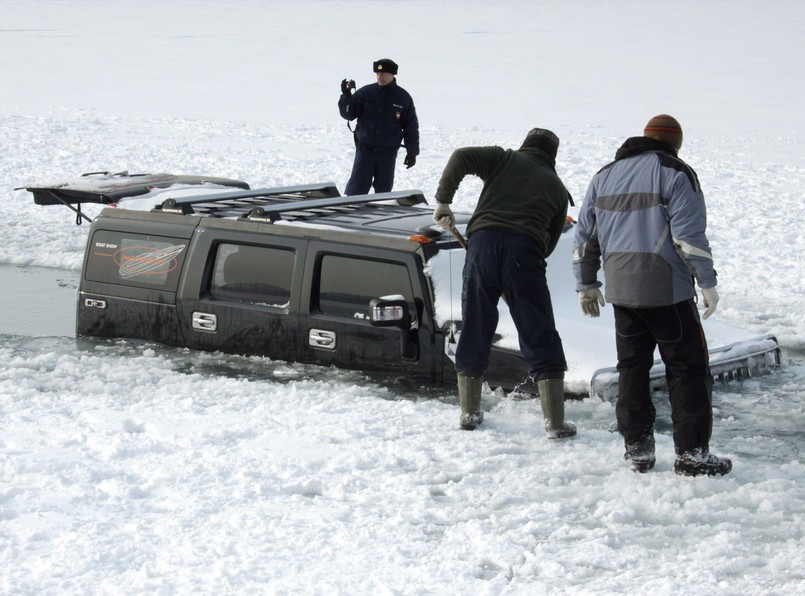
(273, 212)
(185, 204)
(257, 203)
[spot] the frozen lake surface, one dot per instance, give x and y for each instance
(127, 468)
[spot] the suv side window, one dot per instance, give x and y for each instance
(257, 274)
(135, 260)
(348, 284)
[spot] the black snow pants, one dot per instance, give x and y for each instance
(677, 331)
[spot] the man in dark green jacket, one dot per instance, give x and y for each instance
(515, 226)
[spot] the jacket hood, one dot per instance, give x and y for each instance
(636, 145)
(540, 154)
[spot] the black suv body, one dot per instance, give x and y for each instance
(297, 273)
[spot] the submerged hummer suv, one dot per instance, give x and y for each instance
(297, 273)
(302, 274)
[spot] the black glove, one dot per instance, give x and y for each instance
(347, 86)
(409, 161)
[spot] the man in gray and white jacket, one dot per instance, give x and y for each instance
(644, 216)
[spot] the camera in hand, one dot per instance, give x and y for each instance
(347, 85)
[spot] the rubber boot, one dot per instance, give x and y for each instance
(552, 398)
(469, 396)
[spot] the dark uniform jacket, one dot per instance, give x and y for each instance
(386, 116)
(521, 192)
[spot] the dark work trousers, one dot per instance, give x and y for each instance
(372, 167)
(499, 263)
(678, 332)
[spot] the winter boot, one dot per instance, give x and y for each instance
(469, 396)
(552, 398)
(701, 462)
(641, 454)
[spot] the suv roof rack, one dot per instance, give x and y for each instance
(235, 200)
(267, 204)
(274, 212)
(322, 190)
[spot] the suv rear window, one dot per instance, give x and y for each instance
(257, 274)
(348, 284)
(135, 260)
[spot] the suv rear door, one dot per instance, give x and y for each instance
(132, 268)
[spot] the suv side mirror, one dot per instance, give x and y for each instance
(392, 311)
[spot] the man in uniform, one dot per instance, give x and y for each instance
(386, 120)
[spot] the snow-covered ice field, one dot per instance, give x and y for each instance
(132, 469)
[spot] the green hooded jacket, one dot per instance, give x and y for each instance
(521, 192)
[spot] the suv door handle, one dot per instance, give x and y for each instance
(318, 338)
(205, 321)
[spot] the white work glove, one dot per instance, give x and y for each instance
(443, 216)
(589, 301)
(710, 301)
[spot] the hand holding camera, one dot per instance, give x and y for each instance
(347, 85)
